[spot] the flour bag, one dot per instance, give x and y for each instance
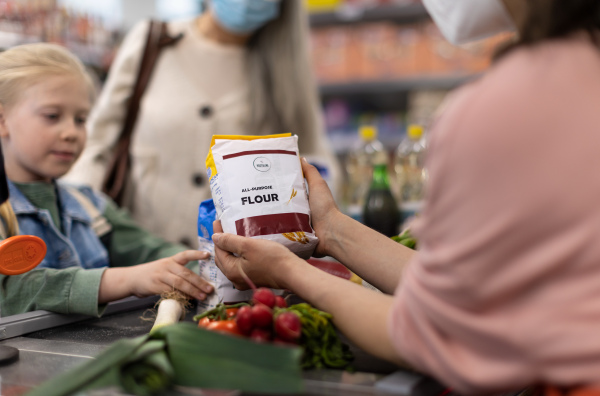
(259, 191)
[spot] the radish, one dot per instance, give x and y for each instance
(262, 316)
(244, 319)
(265, 296)
(280, 302)
(260, 335)
(288, 326)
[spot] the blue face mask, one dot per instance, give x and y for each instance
(244, 16)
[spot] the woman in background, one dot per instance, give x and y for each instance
(242, 67)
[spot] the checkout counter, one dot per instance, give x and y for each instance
(50, 344)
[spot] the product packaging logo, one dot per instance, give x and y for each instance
(262, 164)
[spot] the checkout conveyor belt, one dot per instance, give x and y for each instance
(50, 344)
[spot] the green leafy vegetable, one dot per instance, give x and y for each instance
(320, 341)
(407, 239)
(182, 354)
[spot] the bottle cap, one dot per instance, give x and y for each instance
(21, 253)
(415, 131)
(368, 132)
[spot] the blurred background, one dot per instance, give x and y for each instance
(379, 63)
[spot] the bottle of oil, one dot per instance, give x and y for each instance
(409, 166)
(381, 211)
(359, 169)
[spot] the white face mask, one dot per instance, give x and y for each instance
(461, 21)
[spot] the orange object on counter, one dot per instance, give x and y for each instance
(21, 253)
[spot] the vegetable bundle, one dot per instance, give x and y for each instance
(182, 354)
(320, 341)
(407, 239)
(269, 319)
(262, 321)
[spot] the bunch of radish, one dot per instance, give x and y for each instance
(264, 319)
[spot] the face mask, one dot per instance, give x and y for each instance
(461, 21)
(244, 16)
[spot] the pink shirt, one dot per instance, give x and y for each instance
(505, 290)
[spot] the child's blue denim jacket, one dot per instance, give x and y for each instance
(79, 245)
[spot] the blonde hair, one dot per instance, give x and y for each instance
(10, 225)
(283, 89)
(25, 65)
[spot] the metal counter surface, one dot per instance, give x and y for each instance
(46, 353)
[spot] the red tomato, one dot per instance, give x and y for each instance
(231, 312)
(204, 322)
(228, 326)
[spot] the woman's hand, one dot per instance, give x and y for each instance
(156, 277)
(264, 262)
(324, 211)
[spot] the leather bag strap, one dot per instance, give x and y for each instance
(116, 175)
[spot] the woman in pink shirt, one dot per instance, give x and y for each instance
(504, 291)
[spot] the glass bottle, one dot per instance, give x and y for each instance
(359, 168)
(409, 166)
(381, 211)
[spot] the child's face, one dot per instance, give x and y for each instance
(43, 133)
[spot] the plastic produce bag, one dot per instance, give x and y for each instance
(224, 290)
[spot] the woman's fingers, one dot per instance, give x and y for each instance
(229, 242)
(311, 173)
(217, 226)
(230, 266)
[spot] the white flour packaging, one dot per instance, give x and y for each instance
(258, 189)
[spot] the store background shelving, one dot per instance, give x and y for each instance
(377, 61)
(87, 35)
(384, 63)
(347, 14)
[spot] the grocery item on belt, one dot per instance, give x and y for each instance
(224, 290)
(258, 189)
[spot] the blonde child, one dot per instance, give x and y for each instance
(93, 247)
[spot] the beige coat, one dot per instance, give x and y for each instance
(197, 89)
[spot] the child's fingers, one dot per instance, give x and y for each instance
(187, 282)
(182, 258)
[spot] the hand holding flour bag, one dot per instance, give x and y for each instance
(259, 191)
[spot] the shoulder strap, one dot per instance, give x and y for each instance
(100, 225)
(157, 39)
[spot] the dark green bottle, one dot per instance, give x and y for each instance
(381, 211)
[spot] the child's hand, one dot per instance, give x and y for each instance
(170, 274)
(154, 278)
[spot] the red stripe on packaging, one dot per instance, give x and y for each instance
(273, 224)
(254, 152)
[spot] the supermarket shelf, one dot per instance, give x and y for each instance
(89, 54)
(348, 14)
(393, 86)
